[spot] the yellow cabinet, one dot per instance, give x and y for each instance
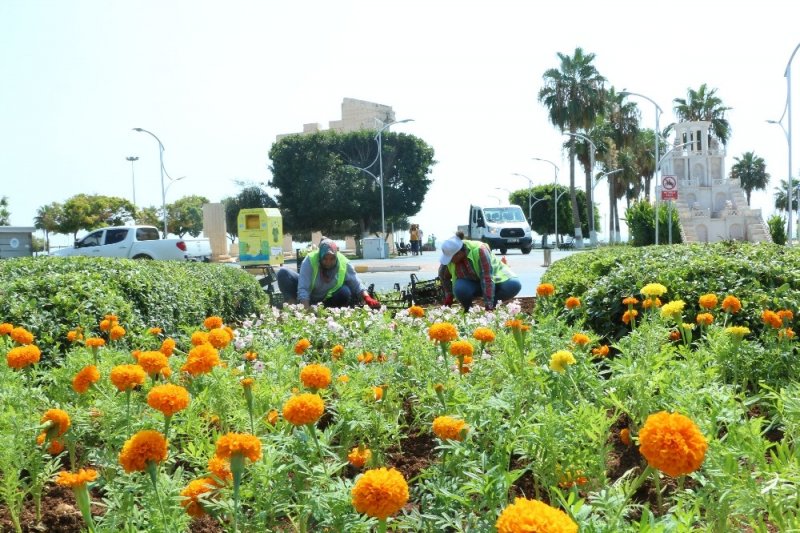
(260, 236)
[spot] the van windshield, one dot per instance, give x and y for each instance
(504, 214)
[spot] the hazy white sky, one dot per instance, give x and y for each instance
(217, 81)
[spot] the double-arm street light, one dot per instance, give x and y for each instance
(556, 195)
(590, 191)
(161, 168)
(133, 183)
(612, 236)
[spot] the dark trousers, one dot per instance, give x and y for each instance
(287, 283)
(465, 290)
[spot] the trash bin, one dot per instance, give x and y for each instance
(548, 254)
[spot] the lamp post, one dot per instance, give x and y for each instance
(657, 133)
(499, 201)
(789, 192)
(669, 205)
(530, 187)
(590, 192)
(379, 140)
(503, 189)
(556, 196)
(612, 236)
(133, 183)
(161, 167)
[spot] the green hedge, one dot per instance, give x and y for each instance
(52, 295)
(762, 276)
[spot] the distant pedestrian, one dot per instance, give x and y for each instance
(419, 240)
(413, 236)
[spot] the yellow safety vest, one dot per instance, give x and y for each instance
(342, 261)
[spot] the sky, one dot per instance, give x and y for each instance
(217, 81)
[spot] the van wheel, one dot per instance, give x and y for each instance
(526, 250)
(503, 250)
(142, 256)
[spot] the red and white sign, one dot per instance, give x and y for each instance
(669, 188)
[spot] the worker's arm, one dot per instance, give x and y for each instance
(304, 283)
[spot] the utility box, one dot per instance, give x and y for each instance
(16, 242)
(260, 236)
(371, 248)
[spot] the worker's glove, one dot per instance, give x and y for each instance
(372, 302)
(448, 300)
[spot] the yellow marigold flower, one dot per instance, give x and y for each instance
(771, 318)
(484, 335)
(191, 494)
(526, 515)
(581, 339)
(337, 351)
(545, 289)
(708, 301)
(600, 351)
(786, 315)
(516, 324)
(58, 420)
(442, 332)
(416, 311)
(145, 446)
(301, 346)
(167, 347)
(572, 302)
(199, 338)
(672, 309)
(94, 342)
(630, 300)
(250, 356)
(154, 331)
(359, 456)
(625, 436)
(272, 417)
(461, 348)
(212, 322)
(74, 335)
(201, 360)
(380, 493)
(84, 379)
(377, 393)
(78, 479)
(315, 376)
(21, 335)
(152, 362)
(651, 302)
(219, 338)
(243, 444)
(6, 328)
(731, 304)
(560, 360)
(344, 378)
(653, 290)
(672, 443)
(738, 331)
(168, 398)
(116, 333)
(705, 319)
(449, 428)
(22, 356)
(126, 377)
(687, 327)
(54, 448)
(303, 409)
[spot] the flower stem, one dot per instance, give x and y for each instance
(152, 470)
(382, 525)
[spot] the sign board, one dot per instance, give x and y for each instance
(669, 187)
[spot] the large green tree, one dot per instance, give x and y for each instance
(89, 212)
(573, 95)
(328, 181)
(751, 171)
(704, 104)
(46, 219)
(780, 195)
(250, 197)
(543, 217)
(185, 215)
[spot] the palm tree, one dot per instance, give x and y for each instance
(573, 95)
(751, 172)
(47, 219)
(780, 195)
(704, 105)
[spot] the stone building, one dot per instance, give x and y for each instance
(356, 115)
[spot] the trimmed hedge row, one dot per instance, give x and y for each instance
(762, 276)
(52, 295)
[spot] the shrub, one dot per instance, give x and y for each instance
(53, 295)
(641, 221)
(777, 229)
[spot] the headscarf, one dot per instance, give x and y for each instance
(327, 246)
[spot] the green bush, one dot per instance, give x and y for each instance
(762, 276)
(53, 295)
(641, 222)
(777, 229)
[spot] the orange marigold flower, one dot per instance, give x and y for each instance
(201, 360)
(167, 347)
(630, 300)
(5, 329)
(600, 351)
(651, 302)
(191, 495)
(442, 332)
(145, 446)
(303, 409)
(449, 428)
(545, 289)
(152, 362)
(21, 335)
(628, 315)
(786, 315)
(219, 338)
(377, 393)
(242, 444)
(247, 383)
(220, 467)
(534, 516)
(22, 356)
(199, 338)
(359, 456)
(168, 398)
(106, 324)
(708, 301)
(672, 443)
(301, 346)
(484, 335)
(674, 335)
(380, 493)
(54, 448)
(74, 335)
(461, 348)
(705, 319)
(572, 302)
(58, 420)
(344, 378)
(94, 342)
(625, 436)
(78, 479)
(416, 311)
(126, 377)
(572, 478)
(212, 322)
(250, 356)
(786, 333)
(516, 324)
(116, 333)
(337, 351)
(315, 376)
(365, 357)
(771, 318)
(581, 339)
(154, 331)
(84, 379)
(272, 417)
(731, 304)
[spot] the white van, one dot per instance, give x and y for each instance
(502, 227)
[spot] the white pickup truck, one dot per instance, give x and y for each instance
(131, 242)
(501, 227)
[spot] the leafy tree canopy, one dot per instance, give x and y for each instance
(541, 208)
(89, 212)
(251, 197)
(186, 216)
(751, 171)
(5, 214)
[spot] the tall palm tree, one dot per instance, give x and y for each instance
(780, 195)
(573, 96)
(703, 104)
(47, 219)
(751, 172)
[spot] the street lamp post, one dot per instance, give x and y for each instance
(556, 196)
(612, 236)
(161, 167)
(657, 133)
(530, 187)
(379, 139)
(589, 193)
(789, 192)
(133, 183)
(669, 205)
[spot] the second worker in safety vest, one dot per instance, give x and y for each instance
(469, 270)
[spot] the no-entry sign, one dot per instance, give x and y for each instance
(669, 188)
